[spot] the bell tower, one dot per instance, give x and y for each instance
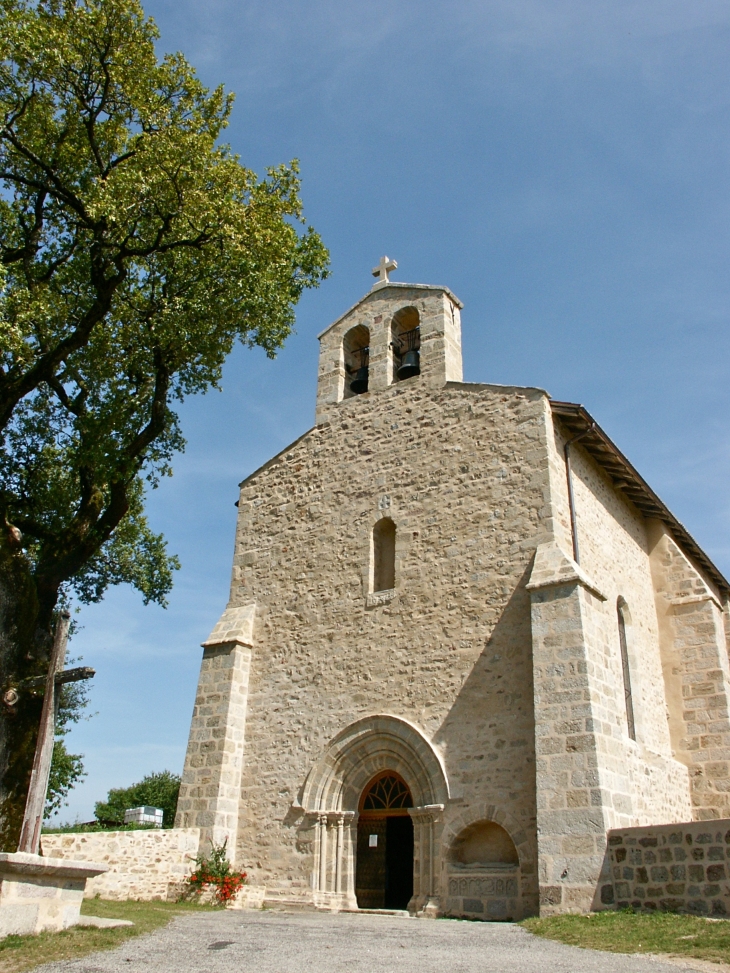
(396, 333)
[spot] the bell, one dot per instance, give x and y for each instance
(410, 366)
(359, 384)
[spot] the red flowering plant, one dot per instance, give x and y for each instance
(213, 873)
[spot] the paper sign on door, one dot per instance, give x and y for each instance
(373, 842)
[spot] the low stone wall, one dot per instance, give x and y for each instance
(142, 864)
(484, 893)
(669, 867)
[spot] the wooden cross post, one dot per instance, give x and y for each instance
(30, 835)
(383, 270)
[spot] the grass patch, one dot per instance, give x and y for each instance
(629, 932)
(20, 953)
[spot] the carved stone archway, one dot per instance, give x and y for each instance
(330, 800)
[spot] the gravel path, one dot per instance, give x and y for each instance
(280, 942)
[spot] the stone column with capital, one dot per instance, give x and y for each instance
(427, 828)
(333, 876)
(210, 791)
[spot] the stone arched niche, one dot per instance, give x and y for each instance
(483, 844)
(484, 874)
(383, 556)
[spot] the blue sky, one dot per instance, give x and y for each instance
(562, 166)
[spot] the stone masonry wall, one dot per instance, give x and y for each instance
(650, 786)
(672, 868)
(696, 671)
(590, 775)
(142, 864)
(461, 470)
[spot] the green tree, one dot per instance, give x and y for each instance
(135, 251)
(157, 790)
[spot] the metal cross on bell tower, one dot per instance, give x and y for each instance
(383, 270)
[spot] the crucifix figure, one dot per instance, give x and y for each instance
(383, 269)
(30, 834)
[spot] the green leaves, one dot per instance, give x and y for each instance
(157, 790)
(135, 251)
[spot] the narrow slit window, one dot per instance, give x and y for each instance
(384, 555)
(628, 698)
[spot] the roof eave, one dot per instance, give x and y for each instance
(625, 476)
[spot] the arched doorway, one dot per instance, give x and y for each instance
(333, 794)
(384, 864)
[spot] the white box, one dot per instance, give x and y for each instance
(144, 815)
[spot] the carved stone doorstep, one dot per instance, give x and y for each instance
(40, 894)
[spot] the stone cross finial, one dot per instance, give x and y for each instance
(383, 269)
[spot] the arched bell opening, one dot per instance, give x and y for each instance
(384, 862)
(405, 344)
(356, 354)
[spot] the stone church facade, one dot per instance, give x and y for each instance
(464, 640)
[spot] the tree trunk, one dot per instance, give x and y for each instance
(24, 645)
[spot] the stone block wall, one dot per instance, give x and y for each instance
(669, 868)
(484, 893)
(462, 473)
(591, 775)
(615, 552)
(142, 864)
(692, 621)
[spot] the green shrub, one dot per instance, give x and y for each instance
(156, 790)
